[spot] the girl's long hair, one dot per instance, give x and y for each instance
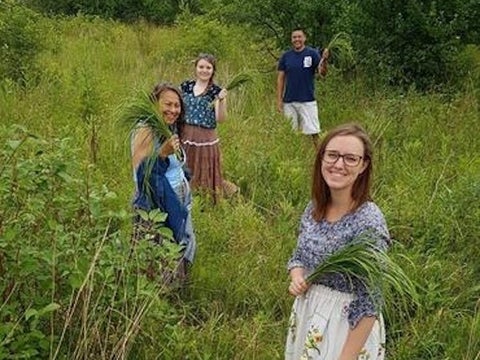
(321, 196)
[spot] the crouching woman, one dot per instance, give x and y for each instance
(160, 179)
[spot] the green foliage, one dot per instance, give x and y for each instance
(65, 222)
(275, 18)
(466, 66)
(64, 259)
(89, 108)
(238, 80)
(203, 35)
(20, 42)
(416, 45)
(341, 49)
(160, 12)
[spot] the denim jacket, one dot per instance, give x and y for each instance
(160, 195)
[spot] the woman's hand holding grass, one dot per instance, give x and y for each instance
(170, 146)
(222, 94)
(298, 284)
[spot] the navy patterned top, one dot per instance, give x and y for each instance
(199, 110)
(318, 240)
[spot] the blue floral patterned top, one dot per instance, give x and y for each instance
(198, 109)
(318, 240)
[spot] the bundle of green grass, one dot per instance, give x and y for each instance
(364, 261)
(237, 81)
(143, 110)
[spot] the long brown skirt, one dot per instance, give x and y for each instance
(203, 159)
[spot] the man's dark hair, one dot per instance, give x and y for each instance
(298, 28)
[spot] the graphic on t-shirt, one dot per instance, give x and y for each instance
(307, 61)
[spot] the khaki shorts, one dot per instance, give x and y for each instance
(304, 116)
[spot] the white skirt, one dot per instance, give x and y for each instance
(319, 327)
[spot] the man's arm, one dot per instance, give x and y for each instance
(323, 65)
(280, 89)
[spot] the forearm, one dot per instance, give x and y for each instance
(356, 338)
(279, 92)
(280, 88)
(323, 67)
(141, 146)
(221, 110)
(296, 272)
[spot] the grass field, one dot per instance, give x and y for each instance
(71, 288)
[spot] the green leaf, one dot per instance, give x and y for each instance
(143, 214)
(76, 280)
(14, 144)
(157, 216)
(166, 233)
(48, 309)
(30, 312)
(141, 110)
(238, 80)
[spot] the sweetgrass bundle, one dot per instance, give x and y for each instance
(363, 261)
(238, 80)
(340, 47)
(142, 110)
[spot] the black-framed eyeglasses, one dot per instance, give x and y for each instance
(332, 156)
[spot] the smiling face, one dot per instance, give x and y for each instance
(169, 105)
(204, 70)
(337, 175)
(298, 40)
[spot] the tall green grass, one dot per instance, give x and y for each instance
(427, 181)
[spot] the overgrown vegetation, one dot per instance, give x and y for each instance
(418, 44)
(20, 42)
(406, 43)
(74, 286)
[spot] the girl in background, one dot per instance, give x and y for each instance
(206, 106)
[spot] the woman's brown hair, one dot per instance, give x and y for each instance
(321, 196)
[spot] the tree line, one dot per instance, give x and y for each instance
(425, 44)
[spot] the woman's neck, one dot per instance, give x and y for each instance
(201, 83)
(200, 86)
(340, 205)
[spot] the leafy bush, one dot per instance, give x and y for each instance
(160, 12)
(466, 66)
(203, 35)
(20, 42)
(415, 45)
(64, 259)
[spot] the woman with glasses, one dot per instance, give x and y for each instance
(206, 106)
(336, 317)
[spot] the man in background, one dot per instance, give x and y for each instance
(295, 84)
